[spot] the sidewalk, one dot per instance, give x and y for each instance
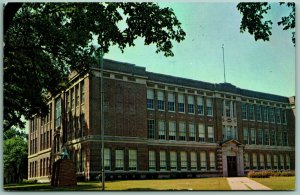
(244, 183)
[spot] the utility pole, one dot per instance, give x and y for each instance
(224, 63)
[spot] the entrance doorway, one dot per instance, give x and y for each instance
(231, 165)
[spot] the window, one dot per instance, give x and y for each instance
(211, 135)
(161, 130)
(72, 99)
(191, 109)
(246, 135)
(288, 162)
(182, 131)
(192, 132)
(244, 111)
(275, 163)
(152, 161)
(172, 130)
(180, 103)
(212, 161)
(209, 107)
(253, 136)
(279, 138)
(150, 97)
(183, 160)
(132, 160)
(269, 161)
(200, 107)
(171, 102)
(283, 116)
(260, 136)
(258, 112)
(173, 161)
(273, 137)
(77, 95)
(201, 132)
(254, 161)
(261, 162)
(227, 108)
(67, 102)
(251, 112)
(234, 109)
(160, 100)
(151, 129)
(281, 167)
(203, 161)
(285, 139)
(271, 115)
(162, 160)
(277, 114)
(229, 132)
(265, 113)
(82, 92)
(58, 112)
(119, 160)
(246, 161)
(107, 159)
(193, 161)
(267, 137)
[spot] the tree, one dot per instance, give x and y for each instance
(254, 21)
(44, 41)
(15, 156)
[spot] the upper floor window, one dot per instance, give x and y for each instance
(244, 111)
(172, 130)
(251, 112)
(267, 137)
(258, 112)
(285, 138)
(200, 107)
(82, 92)
(277, 114)
(273, 137)
(253, 136)
(161, 130)
(181, 103)
(151, 129)
(171, 102)
(67, 101)
(260, 136)
(150, 97)
(279, 138)
(160, 100)
(72, 99)
(192, 132)
(58, 113)
(271, 115)
(227, 108)
(201, 132)
(182, 131)
(283, 116)
(211, 134)
(77, 95)
(191, 108)
(246, 135)
(209, 107)
(265, 113)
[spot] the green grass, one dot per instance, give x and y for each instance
(133, 185)
(277, 183)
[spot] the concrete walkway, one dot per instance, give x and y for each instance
(244, 183)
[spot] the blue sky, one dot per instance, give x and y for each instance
(255, 65)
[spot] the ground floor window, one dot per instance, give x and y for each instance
(107, 159)
(275, 159)
(173, 160)
(254, 161)
(212, 161)
(162, 160)
(281, 162)
(183, 160)
(269, 161)
(193, 161)
(261, 161)
(203, 160)
(152, 161)
(288, 162)
(132, 160)
(119, 160)
(246, 161)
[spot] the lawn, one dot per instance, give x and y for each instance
(133, 185)
(277, 183)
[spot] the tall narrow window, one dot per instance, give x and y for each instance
(132, 160)
(200, 107)
(253, 136)
(211, 134)
(283, 116)
(107, 159)
(275, 159)
(77, 95)
(173, 161)
(277, 114)
(229, 132)
(224, 133)
(160, 101)
(203, 163)
(191, 108)
(72, 99)
(151, 129)
(172, 130)
(171, 102)
(119, 160)
(193, 161)
(251, 112)
(150, 97)
(261, 162)
(201, 132)
(161, 130)
(244, 111)
(181, 103)
(246, 161)
(254, 161)
(183, 160)
(271, 115)
(162, 160)
(182, 131)
(212, 161)
(260, 136)
(279, 138)
(281, 167)
(265, 113)
(234, 108)
(273, 137)
(152, 161)
(58, 113)
(227, 108)
(192, 132)
(288, 162)
(82, 92)
(269, 161)
(285, 138)
(67, 101)
(258, 112)
(209, 107)
(246, 135)
(267, 137)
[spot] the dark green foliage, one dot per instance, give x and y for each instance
(44, 41)
(267, 174)
(254, 22)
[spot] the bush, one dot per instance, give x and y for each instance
(267, 174)
(31, 181)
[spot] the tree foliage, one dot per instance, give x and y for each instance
(43, 41)
(254, 21)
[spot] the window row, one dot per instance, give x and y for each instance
(43, 166)
(263, 113)
(75, 96)
(119, 159)
(265, 137)
(45, 140)
(182, 131)
(75, 127)
(40, 121)
(166, 101)
(265, 162)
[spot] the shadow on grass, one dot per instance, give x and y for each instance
(48, 187)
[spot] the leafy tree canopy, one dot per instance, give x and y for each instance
(43, 41)
(254, 22)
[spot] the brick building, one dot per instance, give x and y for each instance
(160, 126)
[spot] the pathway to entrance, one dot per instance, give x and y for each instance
(244, 183)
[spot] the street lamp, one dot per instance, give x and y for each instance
(97, 47)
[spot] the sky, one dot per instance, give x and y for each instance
(255, 65)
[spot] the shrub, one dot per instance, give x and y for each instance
(31, 181)
(267, 174)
